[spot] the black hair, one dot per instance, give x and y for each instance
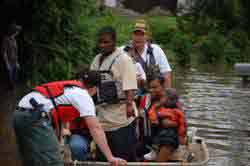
(172, 98)
(108, 30)
(154, 74)
(90, 78)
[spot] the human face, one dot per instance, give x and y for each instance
(106, 44)
(139, 39)
(156, 89)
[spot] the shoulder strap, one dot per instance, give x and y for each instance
(147, 123)
(148, 103)
(113, 61)
(58, 130)
(151, 55)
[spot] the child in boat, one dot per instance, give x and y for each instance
(168, 127)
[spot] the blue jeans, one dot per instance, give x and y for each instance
(36, 140)
(79, 145)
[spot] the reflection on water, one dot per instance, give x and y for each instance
(214, 103)
(220, 109)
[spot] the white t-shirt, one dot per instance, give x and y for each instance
(110, 3)
(75, 96)
(160, 57)
(140, 74)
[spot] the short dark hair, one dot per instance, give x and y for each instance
(172, 98)
(155, 75)
(90, 78)
(108, 30)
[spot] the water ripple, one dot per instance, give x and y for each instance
(220, 109)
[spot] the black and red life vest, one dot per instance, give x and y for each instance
(63, 113)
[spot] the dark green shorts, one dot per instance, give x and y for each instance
(167, 136)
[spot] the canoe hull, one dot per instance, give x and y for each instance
(198, 148)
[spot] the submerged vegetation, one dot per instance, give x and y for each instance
(63, 34)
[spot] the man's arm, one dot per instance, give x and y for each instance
(167, 79)
(165, 68)
(129, 102)
(4, 54)
(99, 137)
(169, 123)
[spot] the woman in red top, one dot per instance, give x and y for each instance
(166, 118)
(168, 126)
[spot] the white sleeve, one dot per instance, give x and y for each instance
(81, 100)
(161, 58)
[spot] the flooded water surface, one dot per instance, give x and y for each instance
(215, 103)
(219, 107)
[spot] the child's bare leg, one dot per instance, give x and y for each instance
(165, 153)
(65, 131)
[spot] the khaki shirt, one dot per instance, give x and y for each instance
(114, 116)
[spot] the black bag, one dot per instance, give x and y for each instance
(107, 91)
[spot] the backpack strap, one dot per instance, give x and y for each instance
(113, 61)
(147, 125)
(111, 64)
(149, 61)
(151, 55)
(58, 130)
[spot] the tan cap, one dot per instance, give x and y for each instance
(140, 25)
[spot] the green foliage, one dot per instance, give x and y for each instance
(162, 29)
(232, 54)
(212, 48)
(122, 25)
(63, 34)
(182, 48)
(233, 13)
(239, 38)
(57, 39)
(239, 47)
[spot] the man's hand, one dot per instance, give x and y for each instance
(130, 111)
(65, 132)
(115, 161)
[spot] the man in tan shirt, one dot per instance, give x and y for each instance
(116, 118)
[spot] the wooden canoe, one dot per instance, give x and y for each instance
(197, 150)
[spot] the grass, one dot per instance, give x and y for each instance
(124, 25)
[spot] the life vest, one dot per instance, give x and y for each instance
(156, 114)
(174, 114)
(63, 113)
